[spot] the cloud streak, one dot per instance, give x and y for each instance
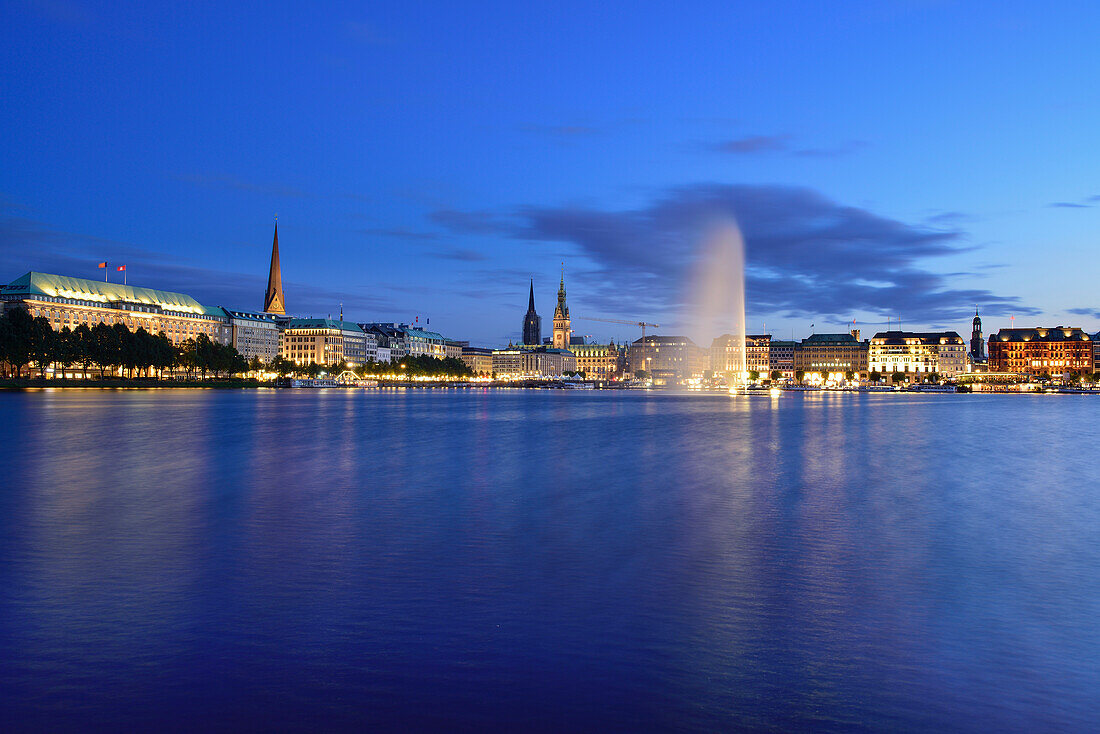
(807, 254)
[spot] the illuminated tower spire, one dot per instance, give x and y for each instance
(561, 317)
(273, 300)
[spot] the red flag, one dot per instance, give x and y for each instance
(121, 268)
(103, 264)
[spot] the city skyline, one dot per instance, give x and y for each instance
(178, 171)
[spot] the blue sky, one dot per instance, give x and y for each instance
(883, 159)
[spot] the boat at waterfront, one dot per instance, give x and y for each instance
(307, 382)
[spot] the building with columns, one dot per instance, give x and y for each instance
(65, 301)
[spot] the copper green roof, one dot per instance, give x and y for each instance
(322, 324)
(63, 286)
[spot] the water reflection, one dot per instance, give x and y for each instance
(547, 560)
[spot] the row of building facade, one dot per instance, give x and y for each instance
(70, 302)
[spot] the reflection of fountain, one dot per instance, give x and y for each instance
(722, 296)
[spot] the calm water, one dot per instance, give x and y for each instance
(548, 560)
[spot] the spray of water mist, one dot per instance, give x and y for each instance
(721, 292)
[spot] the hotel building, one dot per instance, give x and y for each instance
(254, 334)
(478, 359)
(324, 341)
(725, 356)
(836, 354)
(668, 359)
(1041, 352)
(917, 353)
(533, 362)
(596, 361)
(65, 301)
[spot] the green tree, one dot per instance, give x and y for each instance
(776, 374)
(105, 348)
(66, 349)
(799, 375)
(82, 343)
(754, 375)
(849, 375)
(15, 339)
(43, 344)
(897, 377)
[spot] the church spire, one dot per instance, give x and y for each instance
(531, 300)
(273, 299)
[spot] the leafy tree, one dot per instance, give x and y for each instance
(104, 348)
(799, 375)
(897, 377)
(82, 344)
(849, 375)
(66, 349)
(754, 375)
(15, 339)
(43, 342)
(776, 374)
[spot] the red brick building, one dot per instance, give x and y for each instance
(1041, 352)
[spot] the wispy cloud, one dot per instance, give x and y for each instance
(755, 144)
(1067, 205)
(399, 233)
(467, 222)
(783, 143)
(460, 255)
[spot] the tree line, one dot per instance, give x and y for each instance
(30, 344)
(415, 366)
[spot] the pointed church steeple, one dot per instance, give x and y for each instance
(532, 324)
(273, 299)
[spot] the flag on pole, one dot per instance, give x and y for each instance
(122, 269)
(104, 266)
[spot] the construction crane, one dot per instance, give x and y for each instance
(642, 324)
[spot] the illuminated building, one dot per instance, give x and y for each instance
(532, 362)
(453, 348)
(918, 353)
(977, 344)
(596, 361)
(1041, 352)
(273, 297)
(425, 343)
(781, 358)
(65, 301)
(532, 322)
(561, 338)
(478, 359)
(254, 334)
(835, 354)
(668, 359)
(324, 341)
(725, 357)
(391, 338)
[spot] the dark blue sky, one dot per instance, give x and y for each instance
(882, 158)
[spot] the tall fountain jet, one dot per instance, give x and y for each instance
(721, 280)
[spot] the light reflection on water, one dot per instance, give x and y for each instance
(547, 560)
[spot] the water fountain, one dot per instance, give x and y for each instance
(721, 279)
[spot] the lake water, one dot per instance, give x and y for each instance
(548, 560)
